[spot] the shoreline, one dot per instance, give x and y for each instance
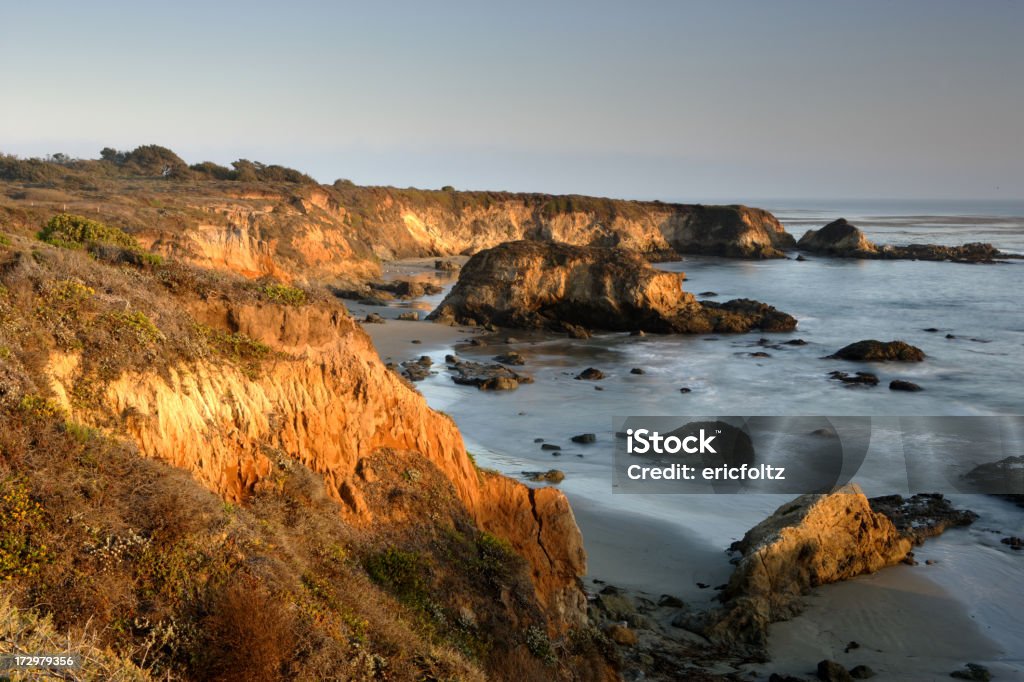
(892, 614)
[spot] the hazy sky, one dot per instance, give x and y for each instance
(673, 100)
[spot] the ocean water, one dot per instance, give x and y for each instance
(676, 541)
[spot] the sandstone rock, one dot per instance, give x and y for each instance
(411, 315)
(879, 351)
(902, 385)
(813, 540)
(373, 318)
(550, 285)
(734, 231)
(574, 331)
(510, 358)
(549, 476)
(446, 265)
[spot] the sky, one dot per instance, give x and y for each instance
(674, 100)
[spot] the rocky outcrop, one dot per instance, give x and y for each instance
(843, 239)
(871, 350)
(838, 238)
(813, 540)
(549, 284)
(733, 231)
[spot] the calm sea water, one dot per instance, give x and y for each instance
(678, 540)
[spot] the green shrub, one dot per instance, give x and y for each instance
(138, 325)
(402, 574)
(20, 517)
(75, 232)
(4, 240)
(284, 294)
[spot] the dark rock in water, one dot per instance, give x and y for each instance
(487, 377)
(590, 374)
(879, 351)
(637, 370)
(921, 516)
(574, 331)
(585, 438)
(851, 646)
(702, 586)
(831, 671)
(858, 379)
(861, 672)
(638, 332)
(373, 318)
(561, 287)
(684, 389)
(406, 289)
(931, 330)
(446, 265)
(759, 354)
(950, 336)
(549, 476)
(838, 238)
(800, 258)
(778, 677)
(901, 385)
(843, 239)
(538, 440)
(708, 293)
(824, 433)
(598, 388)
(550, 446)
(510, 358)
(1004, 477)
(477, 342)
(670, 601)
(972, 671)
(1013, 542)
(732, 444)
(795, 342)
(417, 370)
(416, 341)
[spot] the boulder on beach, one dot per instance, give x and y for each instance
(486, 377)
(556, 286)
(871, 350)
(810, 541)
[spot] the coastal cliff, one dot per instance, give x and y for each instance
(284, 225)
(271, 397)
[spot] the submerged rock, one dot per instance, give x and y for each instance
(584, 438)
(831, 671)
(487, 377)
(549, 476)
(858, 379)
(590, 374)
(871, 350)
(555, 286)
(921, 516)
(902, 385)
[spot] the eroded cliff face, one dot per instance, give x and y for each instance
(550, 284)
(327, 401)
